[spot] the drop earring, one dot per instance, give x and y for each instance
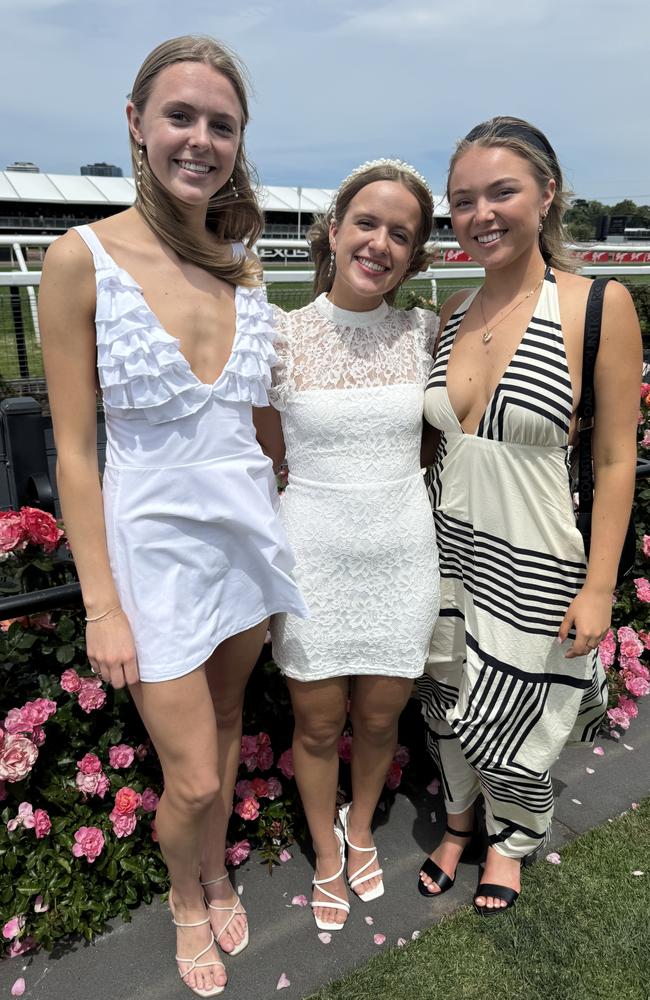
(332, 265)
(542, 220)
(139, 164)
(233, 186)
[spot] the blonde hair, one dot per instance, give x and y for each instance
(532, 145)
(319, 232)
(229, 218)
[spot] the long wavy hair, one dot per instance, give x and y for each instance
(228, 218)
(319, 232)
(531, 144)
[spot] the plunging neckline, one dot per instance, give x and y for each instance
(175, 340)
(468, 302)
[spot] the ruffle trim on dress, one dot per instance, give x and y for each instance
(142, 370)
(280, 391)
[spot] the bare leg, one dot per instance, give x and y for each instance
(227, 670)
(377, 703)
(447, 853)
(171, 710)
(320, 711)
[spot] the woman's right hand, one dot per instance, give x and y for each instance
(111, 650)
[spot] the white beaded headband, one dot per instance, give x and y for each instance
(384, 162)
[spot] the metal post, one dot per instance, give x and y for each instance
(19, 330)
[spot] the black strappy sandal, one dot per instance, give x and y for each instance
(471, 853)
(504, 892)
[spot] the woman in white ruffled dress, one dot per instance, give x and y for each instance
(183, 559)
(349, 387)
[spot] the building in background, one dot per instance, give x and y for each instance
(100, 170)
(24, 167)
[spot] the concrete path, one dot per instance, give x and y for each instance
(135, 961)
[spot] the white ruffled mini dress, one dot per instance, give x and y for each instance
(190, 502)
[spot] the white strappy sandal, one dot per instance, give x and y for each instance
(358, 878)
(233, 913)
(194, 962)
(332, 902)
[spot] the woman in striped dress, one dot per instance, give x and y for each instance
(513, 672)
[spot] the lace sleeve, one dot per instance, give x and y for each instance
(278, 393)
(431, 329)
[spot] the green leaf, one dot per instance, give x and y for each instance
(65, 653)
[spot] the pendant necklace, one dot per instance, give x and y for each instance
(487, 333)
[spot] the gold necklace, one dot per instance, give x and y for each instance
(487, 333)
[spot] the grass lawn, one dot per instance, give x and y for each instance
(580, 931)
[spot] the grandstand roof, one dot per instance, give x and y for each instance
(77, 190)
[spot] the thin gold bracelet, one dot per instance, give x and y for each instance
(105, 615)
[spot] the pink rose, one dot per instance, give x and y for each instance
(618, 717)
(91, 696)
(645, 639)
(285, 763)
(13, 927)
(42, 823)
(38, 736)
(127, 801)
(645, 443)
(121, 755)
(394, 776)
(92, 784)
(629, 663)
(70, 681)
(625, 632)
(149, 800)
(89, 764)
(631, 647)
(249, 808)
(273, 788)
(12, 533)
(646, 546)
(17, 757)
(260, 788)
(238, 853)
(345, 748)
(248, 755)
(642, 589)
(123, 823)
(264, 752)
(628, 706)
(38, 712)
(141, 751)
(645, 389)
(15, 722)
(401, 756)
(637, 668)
(243, 789)
(607, 649)
(89, 843)
(25, 817)
(42, 620)
(636, 685)
(40, 528)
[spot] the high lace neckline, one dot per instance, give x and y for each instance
(346, 317)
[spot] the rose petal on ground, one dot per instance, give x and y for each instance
(590, 770)
(401, 942)
(285, 855)
(628, 747)
(415, 935)
(576, 802)
(615, 734)
(638, 873)
(369, 921)
(18, 988)
(554, 858)
(379, 938)
(433, 787)
(299, 901)
(325, 937)
(598, 751)
(283, 982)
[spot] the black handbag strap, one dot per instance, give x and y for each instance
(587, 405)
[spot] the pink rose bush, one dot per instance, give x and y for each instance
(89, 843)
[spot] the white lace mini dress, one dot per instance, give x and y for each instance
(190, 502)
(350, 390)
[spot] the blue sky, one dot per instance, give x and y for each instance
(336, 84)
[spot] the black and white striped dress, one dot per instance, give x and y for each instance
(499, 697)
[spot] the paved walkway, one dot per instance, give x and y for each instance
(135, 961)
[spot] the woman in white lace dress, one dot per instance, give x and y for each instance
(180, 554)
(349, 387)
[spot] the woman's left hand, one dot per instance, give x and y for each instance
(590, 613)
